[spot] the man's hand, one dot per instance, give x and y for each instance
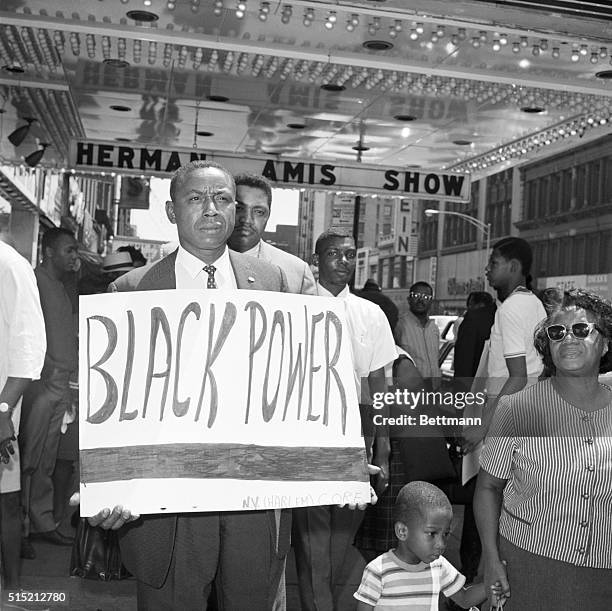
(380, 478)
(372, 470)
(7, 436)
(107, 519)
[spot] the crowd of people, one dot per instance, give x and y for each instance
(535, 478)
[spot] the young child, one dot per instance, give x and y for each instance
(414, 573)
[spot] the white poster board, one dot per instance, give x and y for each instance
(217, 400)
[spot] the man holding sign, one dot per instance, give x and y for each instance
(176, 557)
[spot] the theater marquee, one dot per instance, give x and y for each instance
(283, 172)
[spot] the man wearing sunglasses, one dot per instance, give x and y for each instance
(418, 334)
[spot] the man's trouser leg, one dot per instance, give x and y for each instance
(249, 566)
(41, 436)
(234, 549)
(322, 537)
(10, 533)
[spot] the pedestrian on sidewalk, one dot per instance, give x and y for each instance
(50, 398)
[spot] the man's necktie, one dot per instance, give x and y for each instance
(210, 270)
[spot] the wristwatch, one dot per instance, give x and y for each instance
(4, 407)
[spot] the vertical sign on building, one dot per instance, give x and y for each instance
(343, 209)
(407, 240)
(433, 272)
(362, 266)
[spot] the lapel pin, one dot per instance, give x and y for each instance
(251, 279)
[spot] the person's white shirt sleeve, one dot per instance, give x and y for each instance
(25, 342)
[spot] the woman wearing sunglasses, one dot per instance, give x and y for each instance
(543, 499)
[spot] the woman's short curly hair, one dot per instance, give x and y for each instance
(577, 298)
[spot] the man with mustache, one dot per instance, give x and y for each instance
(253, 203)
(177, 557)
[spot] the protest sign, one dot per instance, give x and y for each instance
(217, 400)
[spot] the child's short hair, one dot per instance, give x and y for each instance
(415, 498)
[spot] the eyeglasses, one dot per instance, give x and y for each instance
(580, 330)
(420, 296)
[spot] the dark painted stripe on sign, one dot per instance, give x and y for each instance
(223, 461)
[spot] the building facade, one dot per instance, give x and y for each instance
(561, 205)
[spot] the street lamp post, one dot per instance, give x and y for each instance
(484, 227)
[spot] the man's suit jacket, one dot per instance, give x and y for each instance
(298, 272)
(147, 544)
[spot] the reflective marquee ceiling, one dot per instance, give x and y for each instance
(473, 86)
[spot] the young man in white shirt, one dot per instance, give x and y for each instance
(322, 535)
(513, 360)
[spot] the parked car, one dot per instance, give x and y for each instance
(445, 361)
(445, 326)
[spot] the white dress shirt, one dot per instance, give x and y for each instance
(255, 251)
(372, 344)
(190, 272)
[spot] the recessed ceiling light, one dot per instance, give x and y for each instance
(116, 63)
(120, 108)
(332, 87)
(15, 69)
(462, 142)
(605, 74)
(204, 133)
(218, 98)
(377, 45)
(360, 147)
(534, 110)
(296, 125)
(404, 117)
(142, 16)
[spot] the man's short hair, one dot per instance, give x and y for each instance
(331, 234)
(52, 236)
(421, 284)
(186, 169)
(416, 499)
(256, 181)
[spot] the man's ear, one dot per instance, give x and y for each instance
(401, 531)
(170, 212)
(315, 259)
(515, 266)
